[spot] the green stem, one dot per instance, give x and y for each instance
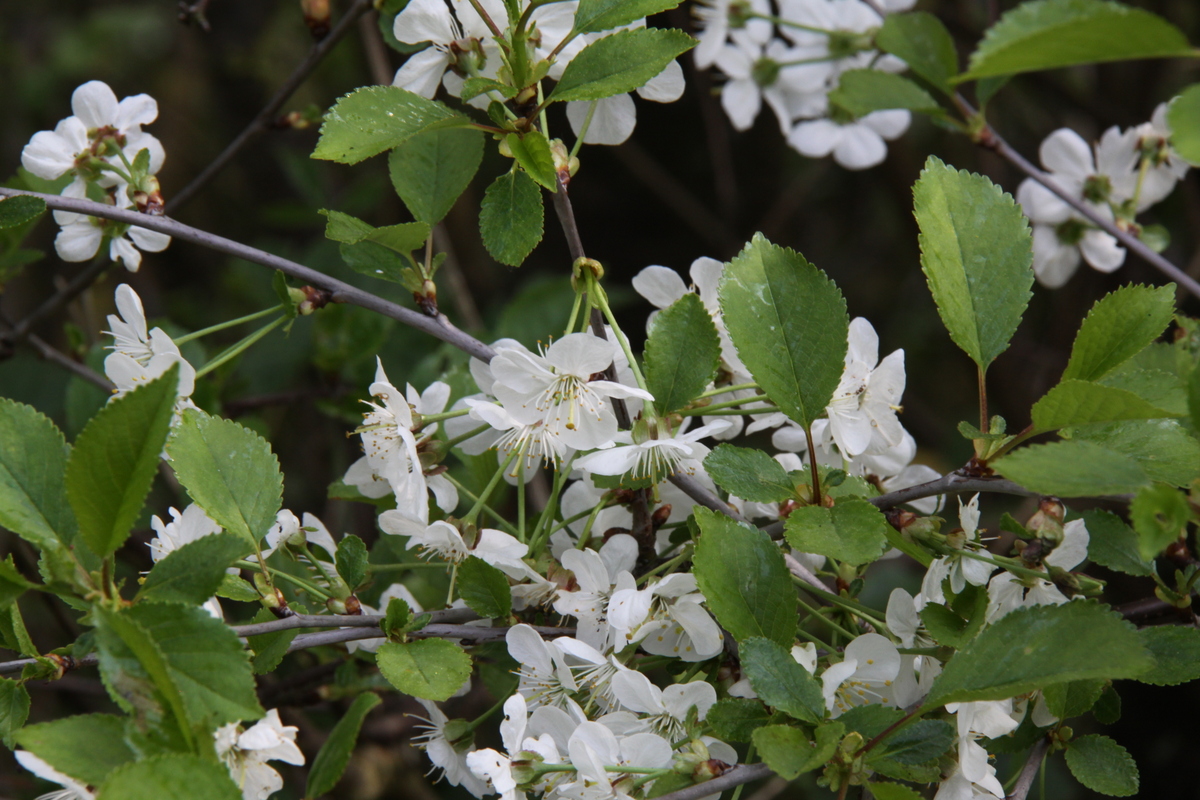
(724, 389)
(587, 122)
(574, 313)
(601, 302)
(819, 642)
(668, 565)
(731, 404)
(853, 606)
(542, 529)
(287, 577)
(817, 613)
(521, 501)
(471, 434)
(504, 524)
(812, 459)
(233, 351)
(787, 23)
(481, 501)
(220, 326)
(404, 566)
(453, 581)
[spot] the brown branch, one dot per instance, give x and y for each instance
(1029, 772)
(439, 326)
(269, 112)
(345, 628)
(992, 140)
(735, 777)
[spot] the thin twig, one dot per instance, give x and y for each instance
(735, 777)
(1029, 772)
(346, 628)
(951, 483)
(439, 326)
(52, 354)
(692, 488)
(269, 112)
(993, 141)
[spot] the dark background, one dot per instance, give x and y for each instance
(685, 186)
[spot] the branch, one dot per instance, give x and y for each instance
(1029, 772)
(345, 628)
(265, 117)
(735, 777)
(692, 488)
(439, 326)
(951, 483)
(993, 141)
(73, 289)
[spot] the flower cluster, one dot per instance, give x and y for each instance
(1127, 172)
(108, 157)
(792, 57)
(465, 42)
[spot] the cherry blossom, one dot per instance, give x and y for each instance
(246, 753)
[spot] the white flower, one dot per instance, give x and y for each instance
(614, 118)
(859, 144)
(667, 709)
(490, 765)
(246, 753)
(443, 540)
(596, 575)
(657, 457)
(72, 789)
(987, 719)
(140, 356)
(459, 40)
(865, 675)
(678, 625)
(1008, 592)
(593, 747)
(448, 757)
(544, 676)
(288, 530)
(1166, 167)
(960, 569)
(771, 74)
(863, 409)
(81, 237)
(183, 529)
(721, 20)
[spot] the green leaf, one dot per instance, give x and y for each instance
(432, 669)
(1113, 544)
(373, 119)
(18, 210)
(947, 628)
(1072, 469)
(682, 353)
(671, 782)
(749, 474)
(195, 662)
(923, 42)
(14, 709)
(853, 531)
(432, 169)
(789, 324)
(1183, 117)
(1193, 394)
(12, 582)
(86, 747)
(1176, 652)
(1071, 642)
(1160, 515)
(743, 577)
(1067, 700)
(239, 589)
(115, 459)
(397, 617)
(790, 753)
(1162, 448)
(33, 461)
(230, 471)
(1160, 389)
(862, 91)
(331, 761)
(892, 791)
(473, 87)
(484, 589)
(1102, 765)
(532, 152)
(1120, 325)
(193, 573)
(268, 649)
(1075, 402)
(1107, 710)
(352, 560)
(179, 776)
(922, 741)
(345, 228)
(977, 256)
(735, 719)
(374, 261)
(510, 218)
(780, 681)
(1048, 34)
(619, 63)
(604, 15)
(402, 238)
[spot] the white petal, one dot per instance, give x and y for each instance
(662, 286)
(666, 87)
(612, 122)
(861, 147)
(95, 104)
(1102, 250)
(422, 72)
(150, 241)
(741, 100)
(1065, 152)
(78, 241)
(815, 138)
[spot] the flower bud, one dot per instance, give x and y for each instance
(316, 17)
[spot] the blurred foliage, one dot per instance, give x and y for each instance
(636, 205)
